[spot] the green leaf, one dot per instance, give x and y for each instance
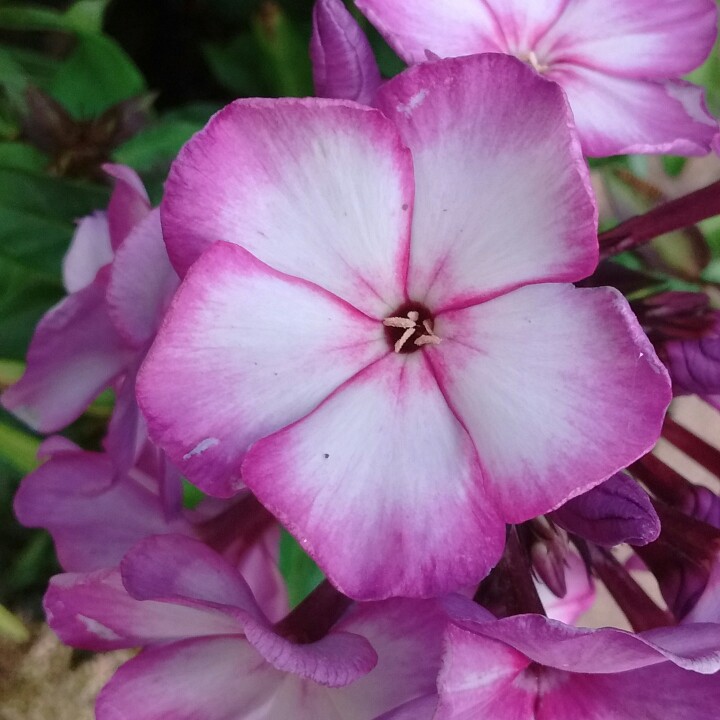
(192, 496)
(97, 75)
(157, 145)
(284, 52)
(18, 448)
(86, 16)
(25, 296)
(11, 627)
(673, 164)
(23, 17)
(20, 156)
(238, 66)
(300, 572)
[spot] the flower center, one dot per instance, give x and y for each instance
(532, 59)
(409, 328)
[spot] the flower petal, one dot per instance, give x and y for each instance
(129, 202)
(502, 191)
(381, 486)
(93, 520)
(244, 351)
(89, 250)
(208, 678)
(558, 387)
(177, 568)
(615, 115)
(634, 38)
(95, 612)
(407, 635)
(479, 679)
(617, 511)
(448, 29)
(524, 22)
(344, 65)
(75, 353)
(142, 282)
(318, 189)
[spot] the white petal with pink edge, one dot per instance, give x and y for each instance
(558, 388)
(89, 250)
(243, 352)
(502, 191)
(615, 115)
(142, 282)
(447, 29)
(633, 38)
(318, 189)
(382, 487)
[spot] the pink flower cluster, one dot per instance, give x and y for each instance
(356, 316)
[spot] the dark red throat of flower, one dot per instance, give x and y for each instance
(410, 328)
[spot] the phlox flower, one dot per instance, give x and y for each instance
(619, 61)
(210, 652)
(119, 283)
(381, 339)
(95, 515)
(528, 667)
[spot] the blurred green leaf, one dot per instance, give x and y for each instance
(11, 627)
(10, 371)
(18, 448)
(27, 17)
(192, 496)
(37, 219)
(673, 164)
(86, 16)
(159, 143)
(284, 52)
(300, 572)
(97, 75)
(21, 156)
(238, 65)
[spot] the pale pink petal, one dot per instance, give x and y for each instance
(334, 661)
(385, 463)
(661, 692)
(344, 65)
(480, 678)
(615, 115)
(579, 596)
(318, 189)
(89, 250)
(92, 519)
(129, 202)
(127, 432)
(95, 612)
(177, 568)
(524, 22)
(558, 387)
(142, 282)
(502, 191)
(407, 635)
(693, 647)
(244, 351)
(74, 354)
(449, 28)
(202, 679)
(633, 38)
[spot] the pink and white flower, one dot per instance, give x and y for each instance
(210, 652)
(527, 667)
(120, 282)
(385, 345)
(619, 61)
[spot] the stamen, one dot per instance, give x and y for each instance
(428, 340)
(405, 337)
(398, 322)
